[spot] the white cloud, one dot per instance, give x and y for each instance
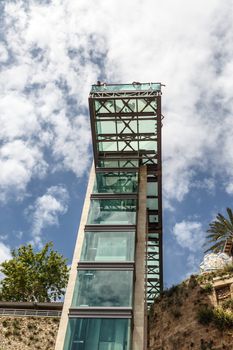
(3, 53)
(229, 188)
(17, 117)
(189, 234)
(19, 162)
(61, 48)
(5, 252)
(46, 210)
(71, 143)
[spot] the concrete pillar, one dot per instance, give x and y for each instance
(139, 339)
(73, 272)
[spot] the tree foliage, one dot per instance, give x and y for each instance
(34, 276)
(220, 230)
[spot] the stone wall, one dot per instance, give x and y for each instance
(28, 333)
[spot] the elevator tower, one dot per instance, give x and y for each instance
(117, 265)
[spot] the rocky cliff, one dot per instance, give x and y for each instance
(195, 315)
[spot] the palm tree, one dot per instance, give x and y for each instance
(221, 233)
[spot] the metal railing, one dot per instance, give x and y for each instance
(30, 312)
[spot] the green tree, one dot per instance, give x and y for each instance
(34, 276)
(220, 230)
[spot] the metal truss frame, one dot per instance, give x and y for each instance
(127, 107)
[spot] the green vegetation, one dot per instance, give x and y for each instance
(205, 315)
(222, 319)
(220, 230)
(226, 271)
(34, 276)
(228, 305)
(207, 288)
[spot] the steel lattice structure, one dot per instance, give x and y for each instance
(126, 125)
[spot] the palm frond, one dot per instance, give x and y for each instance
(230, 214)
(220, 229)
(217, 247)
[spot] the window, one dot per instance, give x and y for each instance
(112, 212)
(97, 334)
(102, 288)
(112, 182)
(108, 246)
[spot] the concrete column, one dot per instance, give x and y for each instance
(139, 339)
(73, 272)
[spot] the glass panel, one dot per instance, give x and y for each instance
(108, 246)
(106, 127)
(152, 247)
(147, 126)
(112, 212)
(112, 182)
(118, 163)
(152, 188)
(153, 235)
(153, 219)
(126, 87)
(103, 107)
(107, 146)
(152, 203)
(148, 145)
(98, 334)
(127, 127)
(102, 288)
(128, 146)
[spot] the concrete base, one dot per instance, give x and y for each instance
(73, 272)
(139, 339)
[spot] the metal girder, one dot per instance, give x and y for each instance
(132, 94)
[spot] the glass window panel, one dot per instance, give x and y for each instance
(153, 249)
(147, 126)
(102, 288)
(145, 106)
(128, 127)
(152, 203)
(112, 182)
(98, 333)
(128, 146)
(148, 145)
(152, 188)
(107, 146)
(118, 163)
(125, 106)
(151, 107)
(153, 235)
(141, 104)
(153, 219)
(112, 212)
(104, 106)
(106, 127)
(108, 246)
(126, 87)
(154, 263)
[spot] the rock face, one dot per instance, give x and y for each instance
(195, 315)
(28, 333)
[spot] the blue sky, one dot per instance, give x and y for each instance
(50, 54)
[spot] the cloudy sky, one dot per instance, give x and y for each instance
(50, 54)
